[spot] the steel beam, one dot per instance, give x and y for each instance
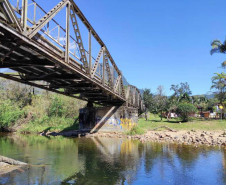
(79, 39)
(49, 16)
(11, 14)
(103, 68)
(117, 83)
(67, 33)
(96, 62)
(24, 15)
(90, 51)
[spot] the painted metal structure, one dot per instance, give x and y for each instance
(60, 63)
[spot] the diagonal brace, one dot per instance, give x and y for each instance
(12, 15)
(49, 16)
(96, 62)
(117, 83)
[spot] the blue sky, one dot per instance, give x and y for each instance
(159, 42)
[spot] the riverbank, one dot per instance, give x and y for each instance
(192, 137)
(214, 138)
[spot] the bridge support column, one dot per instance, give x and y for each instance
(108, 119)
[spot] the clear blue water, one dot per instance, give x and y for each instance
(105, 161)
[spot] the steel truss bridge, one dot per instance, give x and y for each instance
(48, 56)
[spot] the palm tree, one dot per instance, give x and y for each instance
(219, 83)
(218, 47)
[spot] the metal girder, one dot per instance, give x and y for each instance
(17, 66)
(68, 9)
(8, 53)
(127, 92)
(11, 14)
(108, 70)
(79, 39)
(96, 62)
(24, 15)
(117, 83)
(94, 33)
(90, 51)
(49, 16)
(51, 77)
(103, 68)
(122, 88)
(38, 85)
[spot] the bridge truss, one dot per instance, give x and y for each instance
(51, 57)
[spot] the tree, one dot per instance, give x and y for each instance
(218, 47)
(219, 83)
(185, 110)
(181, 92)
(148, 101)
(160, 100)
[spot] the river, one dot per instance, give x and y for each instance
(107, 161)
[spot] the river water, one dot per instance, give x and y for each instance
(106, 161)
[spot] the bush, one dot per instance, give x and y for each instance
(56, 106)
(9, 113)
(185, 110)
(136, 131)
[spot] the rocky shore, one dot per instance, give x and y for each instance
(192, 137)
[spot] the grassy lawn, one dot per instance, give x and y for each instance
(196, 124)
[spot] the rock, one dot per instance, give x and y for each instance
(185, 137)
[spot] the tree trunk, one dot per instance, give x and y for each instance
(146, 117)
(11, 161)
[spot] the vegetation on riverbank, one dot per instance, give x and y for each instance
(201, 124)
(27, 109)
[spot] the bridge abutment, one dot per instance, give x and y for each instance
(108, 119)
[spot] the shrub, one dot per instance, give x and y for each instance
(9, 113)
(56, 106)
(185, 110)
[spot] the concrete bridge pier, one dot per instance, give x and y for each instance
(107, 119)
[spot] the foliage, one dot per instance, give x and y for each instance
(56, 107)
(218, 47)
(160, 101)
(9, 113)
(185, 110)
(219, 83)
(148, 99)
(181, 90)
(136, 131)
(18, 93)
(49, 111)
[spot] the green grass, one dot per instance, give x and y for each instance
(137, 130)
(54, 124)
(196, 124)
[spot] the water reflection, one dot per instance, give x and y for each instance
(105, 161)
